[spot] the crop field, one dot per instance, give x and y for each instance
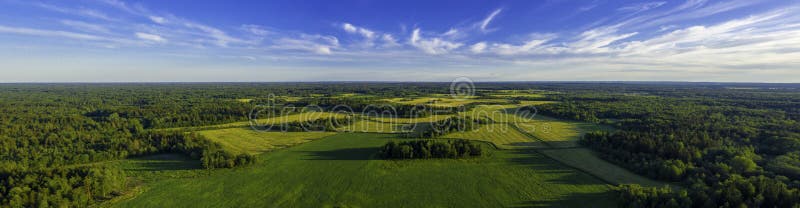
(558, 133)
(442, 101)
(342, 171)
(502, 135)
(427, 119)
(246, 140)
(374, 126)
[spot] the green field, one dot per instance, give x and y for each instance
(246, 140)
(341, 171)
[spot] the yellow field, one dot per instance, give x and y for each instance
(246, 140)
(430, 118)
(502, 135)
(244, 100)
(441, 101)
(307, 116)
(373, 126)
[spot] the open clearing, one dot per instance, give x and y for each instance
(341, 171)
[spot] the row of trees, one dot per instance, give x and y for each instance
(425, 149)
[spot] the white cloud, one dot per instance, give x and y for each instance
(349, 28)
(150, 37)
(597, 40)
(366, 33)
(488, 19)
(48, 33)
(256, 30)
(221, 38)
(389, 41)
(641, 7)
(478, 47)
(84, 12)
(432, 45)
(319, 44)
(159, 20)
(84, 26)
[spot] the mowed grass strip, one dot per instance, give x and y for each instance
(586, 160)
(342, 171)
(246, 140)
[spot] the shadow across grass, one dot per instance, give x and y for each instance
(365, 153)
(532, 158)
(163, 162)
(572, 200)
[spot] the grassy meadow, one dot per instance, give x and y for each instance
(342, 171)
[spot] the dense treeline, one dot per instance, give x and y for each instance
(60, 187)
(425, 149)
(730, 149)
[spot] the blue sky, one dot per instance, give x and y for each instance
(547, 40)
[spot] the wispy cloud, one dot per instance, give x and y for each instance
(350, 28)
(85, 26)
(256, 29)
(150, 37)
(432, 45)
(319, 44)
(48, 33)
(641, 7)
(485, 23)
(157, 19)
(83, 12)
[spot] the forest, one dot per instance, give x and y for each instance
(730, 148)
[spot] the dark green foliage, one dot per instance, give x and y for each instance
(732, 152)
(425, 149)
(60, 187)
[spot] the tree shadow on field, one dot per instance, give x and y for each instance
(541, 163)
(163, 162)
(603, 199)
(344, 154)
